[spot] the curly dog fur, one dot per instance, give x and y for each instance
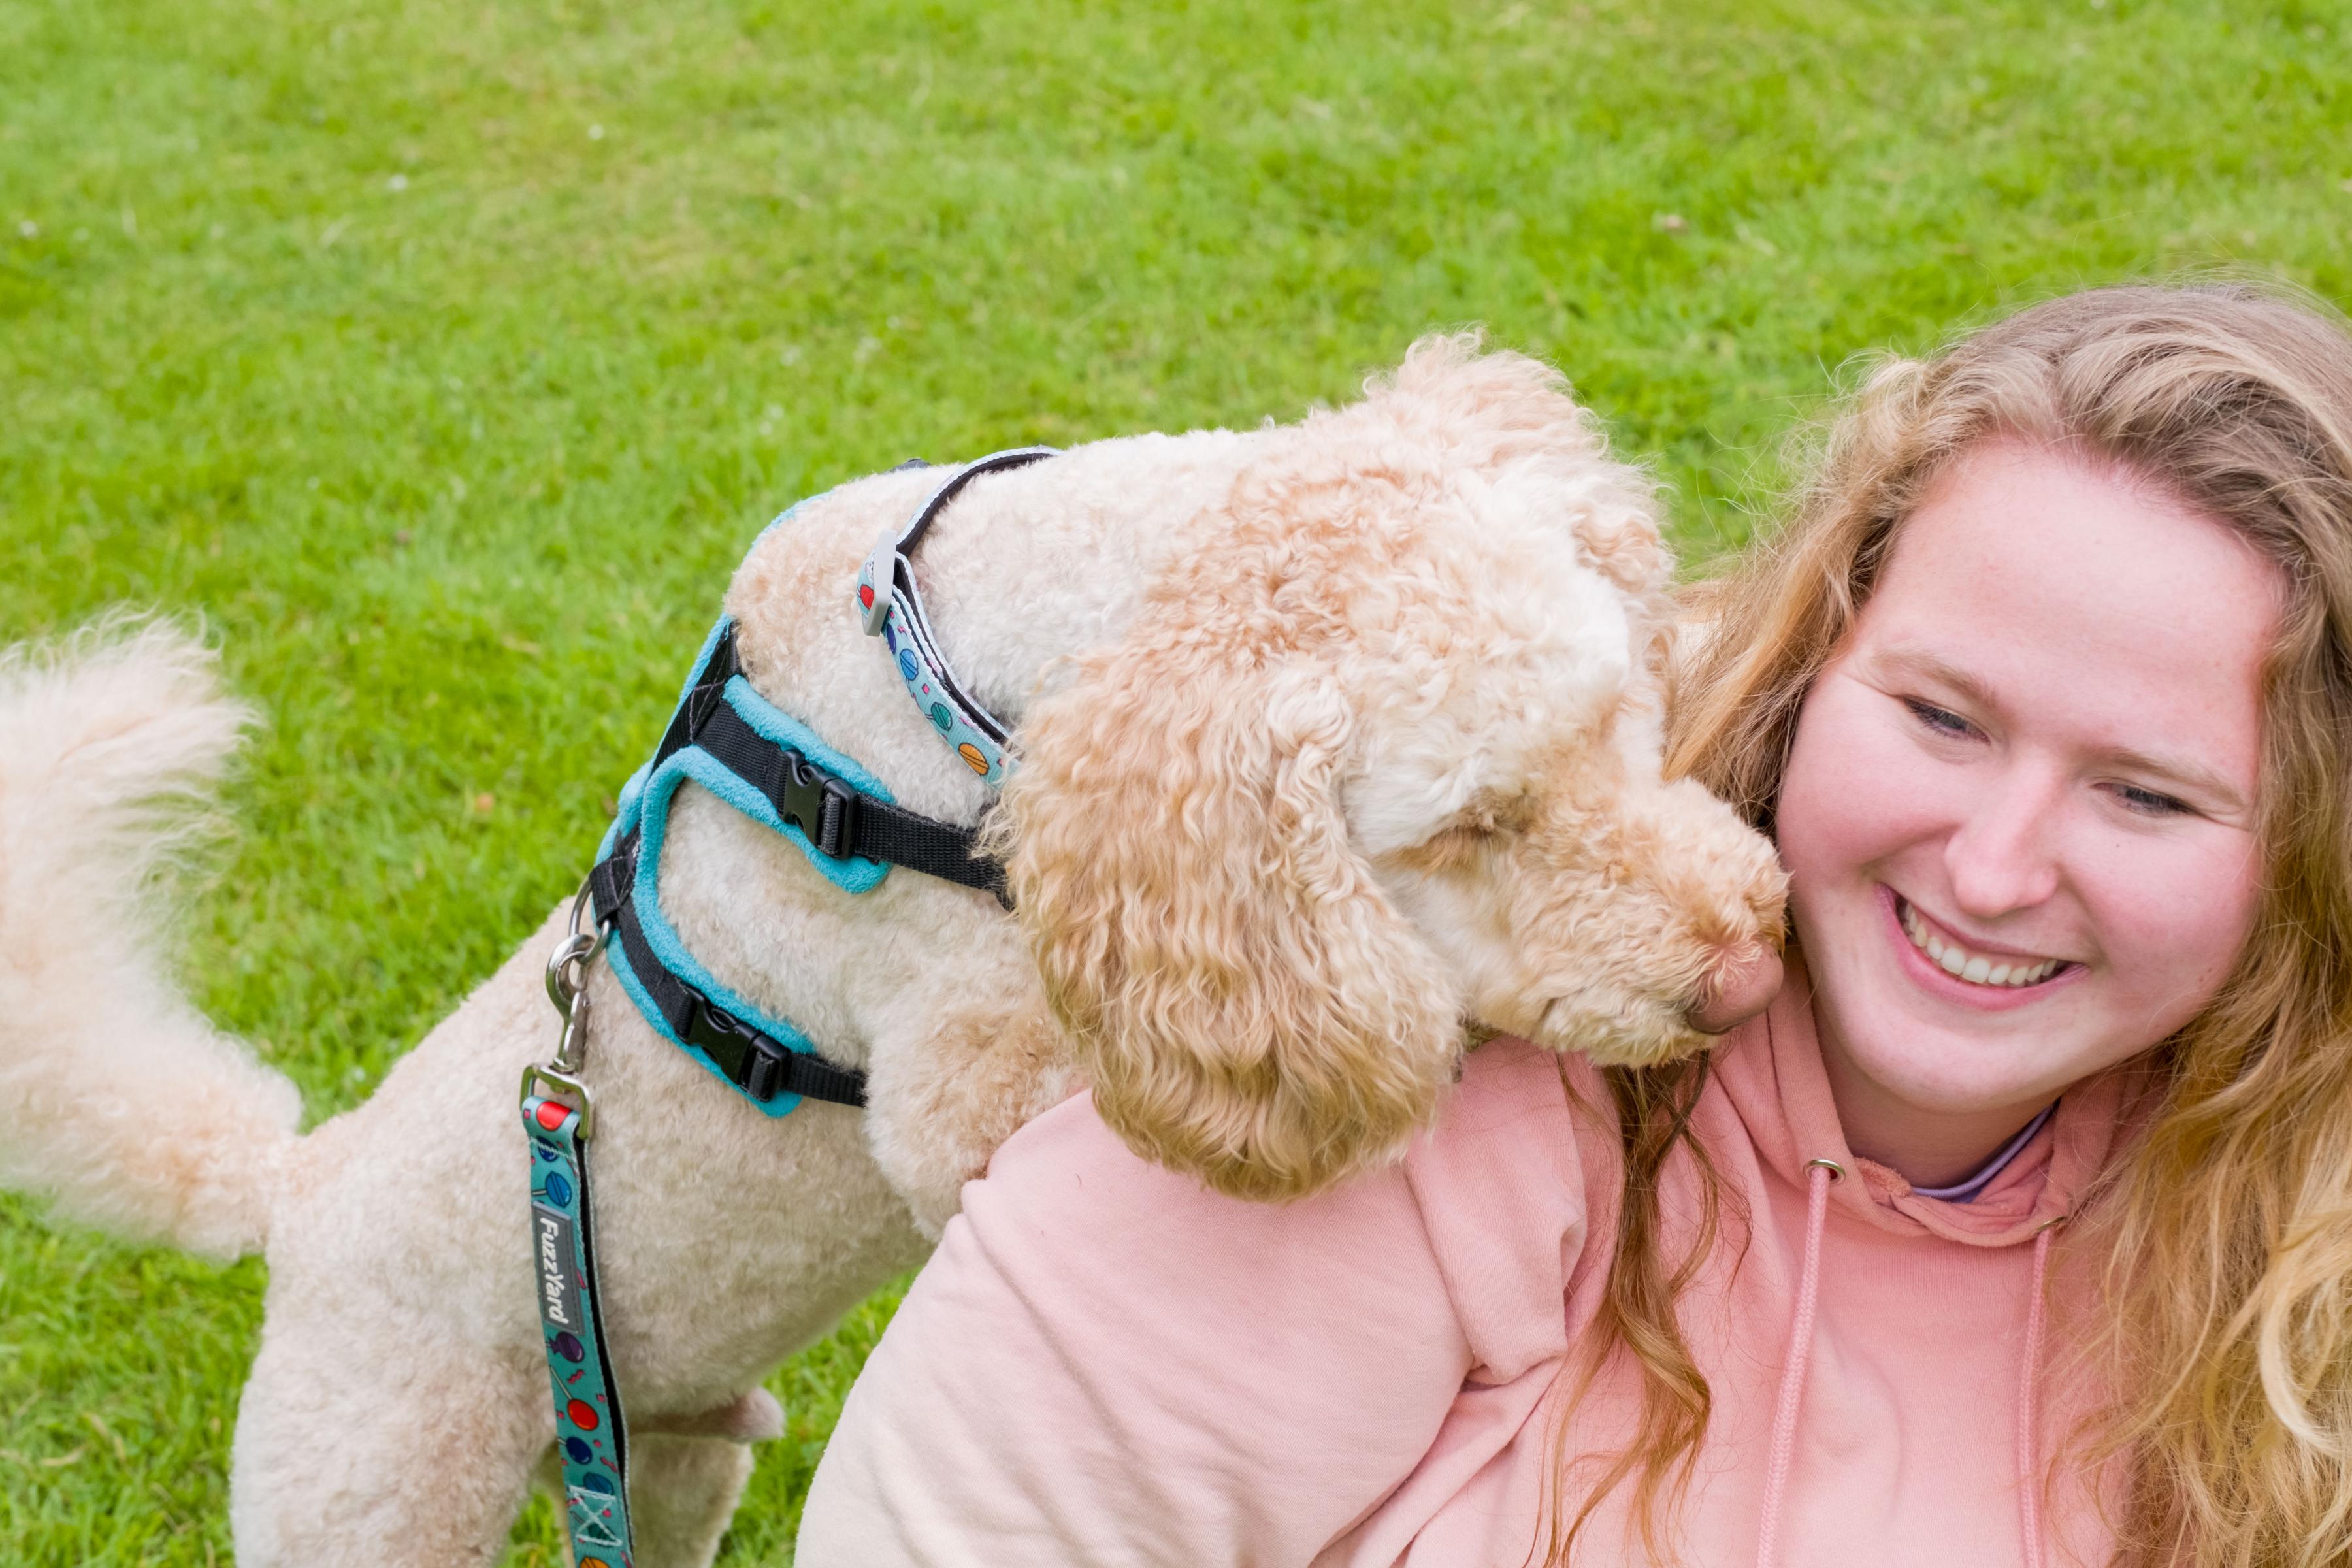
(1339, 744)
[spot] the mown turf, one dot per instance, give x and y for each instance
(443, 356)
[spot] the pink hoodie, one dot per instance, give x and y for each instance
(1106, 1365)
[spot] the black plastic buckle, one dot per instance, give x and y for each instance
(751, 1061)
(800, 797)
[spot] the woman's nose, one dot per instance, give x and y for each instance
(1740, 988)
(1998, 860)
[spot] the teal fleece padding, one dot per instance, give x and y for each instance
(854, 876)
(645, 803)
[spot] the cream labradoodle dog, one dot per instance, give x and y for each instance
(1337, 745)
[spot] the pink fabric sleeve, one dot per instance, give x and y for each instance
(1107, 1364)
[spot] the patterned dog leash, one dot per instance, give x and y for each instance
(592, 1439)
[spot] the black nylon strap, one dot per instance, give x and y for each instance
(702, 699)
(760, 1067)
(837, 819)
(942, 849)
(609, 880)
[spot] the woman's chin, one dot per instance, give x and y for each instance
(1915, 1051)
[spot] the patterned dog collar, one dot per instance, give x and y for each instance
(892, 609)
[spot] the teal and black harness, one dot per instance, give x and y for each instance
(734, 742)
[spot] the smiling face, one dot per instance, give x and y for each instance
(2019, 812)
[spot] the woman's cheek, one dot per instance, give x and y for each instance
(1858, 790)
(2170, 921)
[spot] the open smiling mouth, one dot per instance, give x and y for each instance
(2003, 971)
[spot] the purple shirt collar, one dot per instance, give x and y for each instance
(1965, 1191)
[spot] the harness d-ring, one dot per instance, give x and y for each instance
(567, 988)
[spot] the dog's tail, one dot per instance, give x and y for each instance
(116, 1099)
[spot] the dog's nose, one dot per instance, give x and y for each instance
(1737, 990)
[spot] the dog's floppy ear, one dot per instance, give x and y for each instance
(1248, 1005)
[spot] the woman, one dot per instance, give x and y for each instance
(2017, 1229)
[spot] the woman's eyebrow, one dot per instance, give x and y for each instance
(2192, 777)
(1919, 661)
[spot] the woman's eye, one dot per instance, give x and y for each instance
(2148, 802)
(1943, 720)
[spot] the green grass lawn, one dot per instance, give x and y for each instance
(443, 358)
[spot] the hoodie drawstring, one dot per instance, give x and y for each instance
(1819, 1175)
(2028, 1408)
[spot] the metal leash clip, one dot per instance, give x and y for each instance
(567, 987)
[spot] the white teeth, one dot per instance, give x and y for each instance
(1953, 959)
